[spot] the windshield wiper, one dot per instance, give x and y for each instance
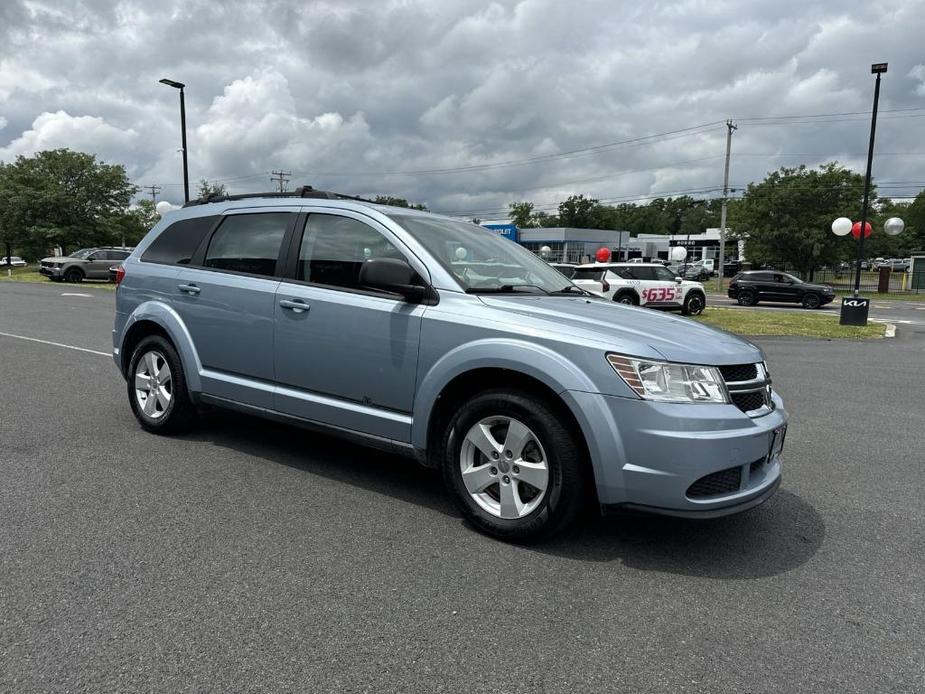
(572, 288)
(503, 289)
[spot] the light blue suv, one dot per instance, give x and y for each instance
(423, 334)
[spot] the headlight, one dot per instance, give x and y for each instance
(666, 382)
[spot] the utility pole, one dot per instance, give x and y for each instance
(154, 190)
(282, 178)
(730, 126)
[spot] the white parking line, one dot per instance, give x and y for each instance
(89, 296)
(56, 344)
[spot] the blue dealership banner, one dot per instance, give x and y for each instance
(508, 231)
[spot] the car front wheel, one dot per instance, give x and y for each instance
(157, 389)
(73, 275)
(513, 469)
(694, 304)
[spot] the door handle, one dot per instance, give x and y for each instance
(294, 305)
(189, 288)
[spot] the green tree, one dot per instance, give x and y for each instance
(577, 211)
(206, 189)
(788, 216)
(398, 202)
(913, 237)
(521, 214)
(61, 197)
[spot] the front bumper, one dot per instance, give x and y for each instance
(646, 455)
(50, 271)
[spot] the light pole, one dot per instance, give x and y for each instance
(180, 86)
(875, 69)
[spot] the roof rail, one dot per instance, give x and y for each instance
(300, 192)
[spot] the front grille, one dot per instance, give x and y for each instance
(756, 466)
(739, 372)
(717, 484)
(748, 401)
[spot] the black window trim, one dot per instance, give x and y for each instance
(198, 257)
(211, 230)
(291, 261)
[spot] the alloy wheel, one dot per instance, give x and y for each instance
(504, 467)
(153, 385)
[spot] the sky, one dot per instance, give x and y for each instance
(468, 106)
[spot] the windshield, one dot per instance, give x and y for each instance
(82, 253)
(791, 278)
(480, 259)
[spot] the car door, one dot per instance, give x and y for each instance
(787, 288)
(658, 287)
(96, 266)
(226, 299)
(344, 355)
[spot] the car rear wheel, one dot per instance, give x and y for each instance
(513, 469)
(627, 298)
(811, 301)
(157, 388)
(73, 275)
(694, 304)
(747, 298)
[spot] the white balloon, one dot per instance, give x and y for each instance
(678, 253)
(841, 226)
(894, 226)
(461, 253)
(545, 251)
(163, 207)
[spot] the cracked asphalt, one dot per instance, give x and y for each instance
(249, 556)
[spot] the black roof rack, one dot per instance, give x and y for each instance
(301, 192)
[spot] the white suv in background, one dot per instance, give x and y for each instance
(642, 284)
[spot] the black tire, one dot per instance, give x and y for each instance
(568, 484)
(628, 298)
(180, 413)
(811, 301)
(747, 298)
(74, 275)
(694, 304)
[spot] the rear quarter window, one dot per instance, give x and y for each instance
(177, 243)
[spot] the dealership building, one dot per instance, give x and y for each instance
(571, 245)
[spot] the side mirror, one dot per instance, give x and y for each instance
(392, 275)
(678, 280)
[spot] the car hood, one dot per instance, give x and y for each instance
(60, 259)
(628, 329)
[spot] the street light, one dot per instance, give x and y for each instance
(180, 86)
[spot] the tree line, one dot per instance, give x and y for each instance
(786, 217)
(67, 199)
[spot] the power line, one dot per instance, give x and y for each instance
(282, 178)
(154, 190)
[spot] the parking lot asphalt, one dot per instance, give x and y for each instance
(248, 556)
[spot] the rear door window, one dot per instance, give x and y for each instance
(177, 243)
(588, 274)
(248, 243)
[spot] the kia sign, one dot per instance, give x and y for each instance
(508, 231)
(854, 311)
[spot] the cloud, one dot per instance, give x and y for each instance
(347, 93)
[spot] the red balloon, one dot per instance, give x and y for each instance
(856, 230)
(602, 255)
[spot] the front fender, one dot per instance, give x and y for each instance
(541, 363)
(170, 321)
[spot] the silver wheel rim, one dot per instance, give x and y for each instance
(153, 385)
(504, 467)
(625, 300)
(694, 305)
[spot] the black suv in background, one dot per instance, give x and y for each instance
(763, 285)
